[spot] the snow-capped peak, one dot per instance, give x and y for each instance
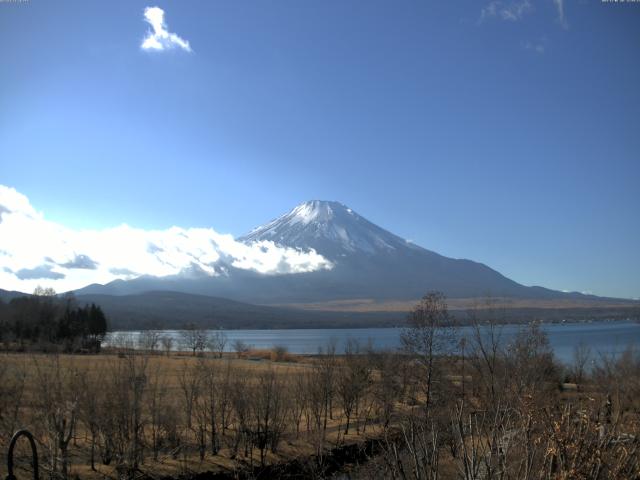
(331, 228)
(315, 211)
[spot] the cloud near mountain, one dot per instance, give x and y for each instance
(35, 251)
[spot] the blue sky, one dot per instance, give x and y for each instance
(505, 132)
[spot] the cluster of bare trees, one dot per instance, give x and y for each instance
(484, 407)
(498, 409)
(124, 410)
(190, 339)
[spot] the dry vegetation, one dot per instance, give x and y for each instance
(125, 413)
(465, 304)
(492, 411)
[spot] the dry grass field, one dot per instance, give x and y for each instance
(471, 304)
(491, 411)
(178, 383)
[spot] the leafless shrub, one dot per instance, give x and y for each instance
(279, 353)
(149, 340)
(167, 343)
(194, 339)
(240, 347)
(217, 341)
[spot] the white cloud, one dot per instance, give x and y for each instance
(160, 38)
(35, 251)
(512, 11)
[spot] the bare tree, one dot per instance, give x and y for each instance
(581, 357)
(225, 380)
(149, 340)
(530, 362)
(194, 339)
(44, 292)
(157, 404)
(202, 408)
(484, 441)
(618, 376)
(122, 342)
(298, 394)
(57, 403)
(353, 379)
(217, 341)
(414, 452)
(240, 347)
(429, 334)
(123, 427)
(327, 371)
(240, 400)
(90, 407)
(316, 387)
(388, 389)
(487, 352)
(211, 403)
(12, 389)
(167, 343)
(190, 382)
(268, 412)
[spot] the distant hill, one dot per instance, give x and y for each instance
(7, 295)
(174, 310)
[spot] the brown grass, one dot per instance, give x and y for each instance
(171, 368)
(498, 303)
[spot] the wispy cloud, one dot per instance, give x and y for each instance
(516, 10)
(512, 11)
(35, 251)
(534, 47)
(160, 38)
(537, 46)
(560, 7)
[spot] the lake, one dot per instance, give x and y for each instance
(602, 337)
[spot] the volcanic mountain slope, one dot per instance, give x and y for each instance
(330, 228)
(374, 263)
(367, 262)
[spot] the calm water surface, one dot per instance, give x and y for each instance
(603, 338)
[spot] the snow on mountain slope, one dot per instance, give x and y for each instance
(370, 261)
(330, 228)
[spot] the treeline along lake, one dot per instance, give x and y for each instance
(602, 338)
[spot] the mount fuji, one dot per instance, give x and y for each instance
(332, 229)
(367, 262)
(371, 262)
